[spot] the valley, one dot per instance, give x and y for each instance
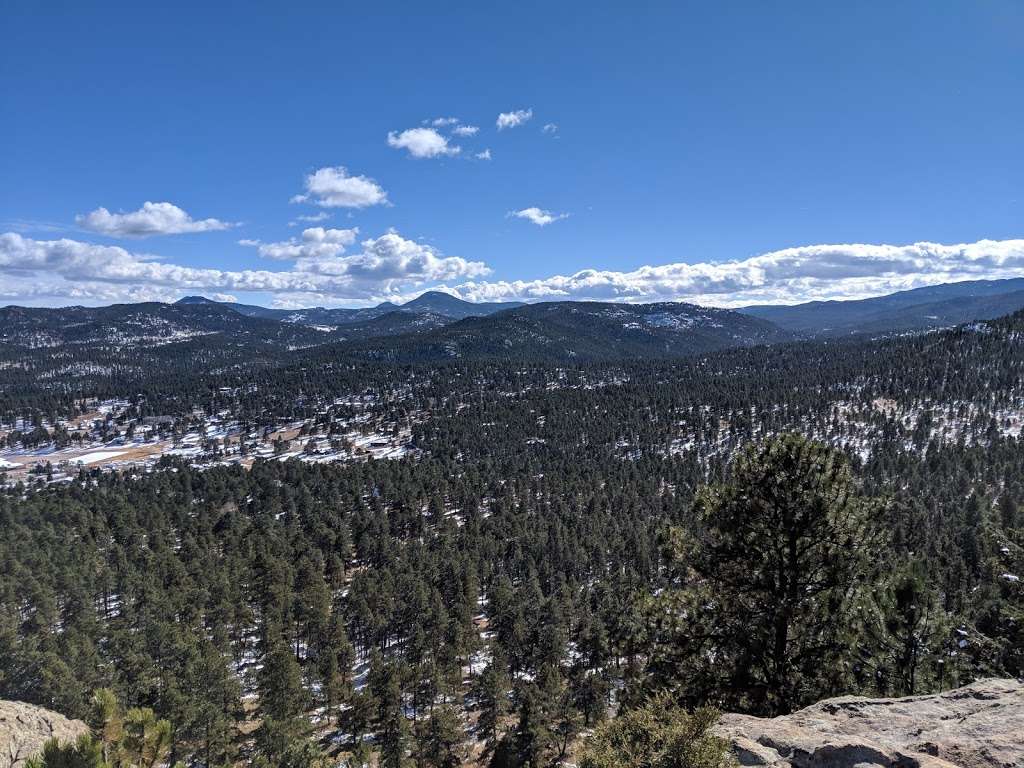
(388, 540)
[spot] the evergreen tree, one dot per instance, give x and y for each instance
(145, 740)
(282, 702)
(392, 724)
(906, 632)
(770, 582)
(440, 739)
(358, 718)
(394, 738)
(533, 730)
(84, 753)
(657, 735)
(491, 691)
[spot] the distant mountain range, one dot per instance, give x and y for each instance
(919, 309)
(431, 302)
(147, 323)
(437, 326)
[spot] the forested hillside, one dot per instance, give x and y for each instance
(166, 356)
(531, 566)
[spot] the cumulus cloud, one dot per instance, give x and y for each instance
(485, 155)
(150, 219)
(315, 242)
(513, 119)
(549, 128)
(70, 269)
(538, 216)
(444, 122)
(805, 273)
(333, 187)
(391, 256)
(422, 142)
(465, 130)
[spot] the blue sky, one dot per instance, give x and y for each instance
(720, 152)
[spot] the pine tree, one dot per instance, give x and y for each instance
(359, 717)
(533, 730)
(491, 693)
(282, 696)
(84, 753)
(391, 720)
(146, 739)
(658, 734)
(906, 631)
(770, 583)
(590, 695)
(1009, 512)
(282, 701)
(440, 739)
(216, 703)
(394, 738)
(334, 658)
(106, 720)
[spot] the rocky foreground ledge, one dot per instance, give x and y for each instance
(24, 728)
(978, 726)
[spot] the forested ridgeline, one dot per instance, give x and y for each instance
(957, 365)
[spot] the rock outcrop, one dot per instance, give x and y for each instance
(24, 728)
(978, 726)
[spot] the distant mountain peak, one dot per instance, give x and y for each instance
(446, 304)
(434, 296)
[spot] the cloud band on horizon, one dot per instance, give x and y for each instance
(393, 268)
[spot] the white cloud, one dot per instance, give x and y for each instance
(75, 261)
(485, 155)
(41, 270)
(391, 267)
(389, 261)
(225, 297)
(454, 125)
(806, 273)
(538, 216)
(33, 225)
(150, 219)
(313, 219)
(513, 119)
(550, 128)
(333, 187)
(35, 292)
(422, 142)
(316, 242)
